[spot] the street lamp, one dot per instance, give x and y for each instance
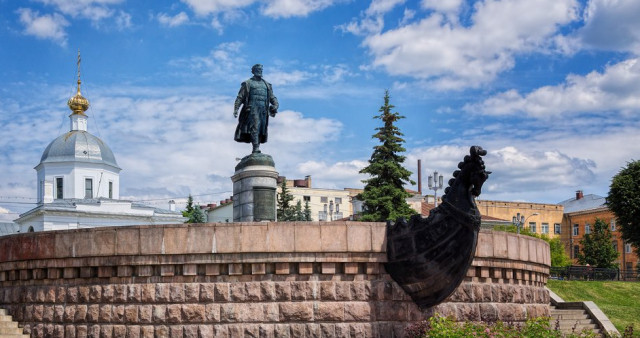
(519, 221)
(435, 183)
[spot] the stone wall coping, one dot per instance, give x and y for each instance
(243, 238)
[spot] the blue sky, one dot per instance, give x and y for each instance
(551, 88)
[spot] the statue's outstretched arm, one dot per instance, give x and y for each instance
(239, 100)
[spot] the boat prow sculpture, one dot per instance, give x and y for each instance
(429, 257)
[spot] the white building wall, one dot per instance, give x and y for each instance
(320, 200)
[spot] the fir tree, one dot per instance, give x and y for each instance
(597, 250)
(197, 216)
(384, 196)
(285, 211)
(307, 212)
(189, 210)
(298, 213)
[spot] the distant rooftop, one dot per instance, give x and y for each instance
(586, 202)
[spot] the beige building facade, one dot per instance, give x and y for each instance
(543, 219)
(325, 204)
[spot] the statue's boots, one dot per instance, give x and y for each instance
(256, 148)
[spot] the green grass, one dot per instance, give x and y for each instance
(620, 301)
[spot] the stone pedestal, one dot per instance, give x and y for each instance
(254, 189)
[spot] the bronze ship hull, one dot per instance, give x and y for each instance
(429, 257)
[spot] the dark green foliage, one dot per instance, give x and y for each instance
(597, 250)
(285, 210)
(298, 214)
(189, 210)
(384, 195)
(288, 212)
(307, 211)
(197, 216)
(441, 327)
(624, 202)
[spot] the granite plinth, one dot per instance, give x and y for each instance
(254, 189)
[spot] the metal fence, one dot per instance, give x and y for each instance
(590, 273)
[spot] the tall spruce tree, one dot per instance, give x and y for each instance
(384, 196)
(307, 211)
(624, 201)
(298, 213)
(597, 250)
(285, 210)
(189, 210)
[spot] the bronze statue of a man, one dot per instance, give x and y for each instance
(258, 102)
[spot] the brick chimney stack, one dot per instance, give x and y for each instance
(579, 195)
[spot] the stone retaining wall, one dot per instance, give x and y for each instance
(247, 279)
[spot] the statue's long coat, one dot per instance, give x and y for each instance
(242, 133)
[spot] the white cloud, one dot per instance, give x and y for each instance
(338, 175)
(528, 173)
(173, 21)
(94, 10)
(289, 8)
(615, 89)
(44, 26)
(371, 21)
(206, 7)
(224, 62)
(612, 25)
(453, 56)
(442, 5)
(287, 78)
(123, 20)
(292, 127)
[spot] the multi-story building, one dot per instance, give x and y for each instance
(539, 218)
(325, 204)
(580, 214)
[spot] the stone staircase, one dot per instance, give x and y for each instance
(573, 320)
(574, 317)
(9, 328)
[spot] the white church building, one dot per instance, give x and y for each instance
(79, 183)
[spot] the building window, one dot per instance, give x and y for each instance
(627, 248)
(322, 215)
(615, 245)
(110, 189)
(545, 228)
(576, 251)
(587, 229)
(532, 227)
(88, 188)
(557, 228)
(324, 199)
(338, 200)
(306, 198)
(629, 265)
(576, 230)
(59, 188)
(613, 224)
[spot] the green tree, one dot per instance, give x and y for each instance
(307, 212)
(624, 202)
(597, 250)
(559, 257)
(298, 213)
(384, 196)
(285, 211)
(197, 216)
(189, 210)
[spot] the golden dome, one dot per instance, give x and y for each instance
(78, 103)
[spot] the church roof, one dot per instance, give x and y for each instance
(79, 146)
